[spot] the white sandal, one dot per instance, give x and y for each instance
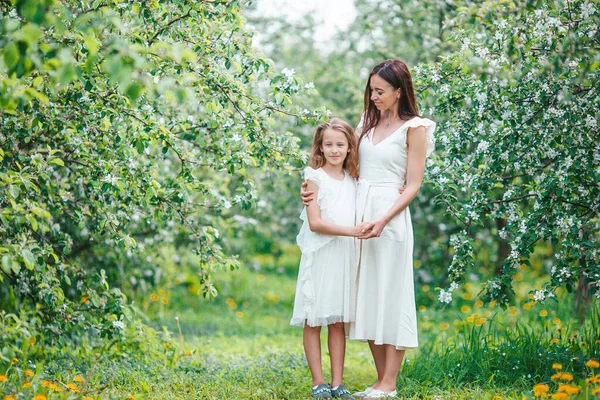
(364, 393)
(380, 394)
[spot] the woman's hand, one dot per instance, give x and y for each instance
(401, 190)
(307, 196)
(362, 229)
(376, 229)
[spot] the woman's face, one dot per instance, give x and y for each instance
(383, 95)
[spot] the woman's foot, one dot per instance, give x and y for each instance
(340, 392)
(363, 394)
(380, 394)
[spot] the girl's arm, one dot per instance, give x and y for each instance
(416, 139)
(317, 224)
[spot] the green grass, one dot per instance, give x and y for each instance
(240, 345)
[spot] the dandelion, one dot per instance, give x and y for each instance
(85, 300)
(556, 366)
(73, 387)
(9, 398)
(188, 353)
(78, 379)
(596, 391)
(164, 300)
(565, 376)
(543, 313)
(154, 297)
(471, 319)
(593, 364)
(167, 346)
(239, 314)
(478, 304)
(554, 341)
(32, 340)
(422, 308)
(3, 378)
(260, 278)
(540, 390)
(568, 389)
(27, 384)
(597, 341)
(480, 321)
(497, 398)
(560, 396)
(87, 398)
(444, 326)
(29, 373)
(556, 321)
(14, 360)
(465, 309)
(40, 397)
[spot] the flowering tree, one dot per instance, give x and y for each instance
(519, 149)
(125, 124)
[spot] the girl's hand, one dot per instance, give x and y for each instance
(401, 190)
(376, 229)
(307, 196)
(363, 228)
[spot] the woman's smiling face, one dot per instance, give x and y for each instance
(383, 95)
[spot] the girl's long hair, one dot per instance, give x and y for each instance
(317, 158)
(396, 73)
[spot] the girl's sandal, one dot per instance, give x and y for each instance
(323, 391)
(341, 392)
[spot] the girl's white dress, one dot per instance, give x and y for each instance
(326, 286)
(385, 301)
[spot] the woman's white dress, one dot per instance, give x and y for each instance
(325, 290)
(385, 301)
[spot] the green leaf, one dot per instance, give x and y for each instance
(11, 55)
(32, 221)
(57, 161)
(29, 259)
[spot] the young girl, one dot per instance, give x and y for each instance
(326, 282)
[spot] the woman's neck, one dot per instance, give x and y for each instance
(335, 171)
(391, 114)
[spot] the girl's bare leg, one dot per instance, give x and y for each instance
(336, 342)
(312, 349)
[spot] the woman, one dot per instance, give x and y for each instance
(393, 145)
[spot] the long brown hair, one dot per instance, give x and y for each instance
(396, 73)
(317, 158)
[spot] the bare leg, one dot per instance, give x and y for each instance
(379, 355)
(393, 362)
(336, 341)
(312, 349)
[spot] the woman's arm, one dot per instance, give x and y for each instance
(317, 224)
(416, 139)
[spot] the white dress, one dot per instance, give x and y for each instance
(327, 277)
(385, 300)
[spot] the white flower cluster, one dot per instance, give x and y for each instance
(446, 295)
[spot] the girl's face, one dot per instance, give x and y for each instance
(334, 147)
(383, 95)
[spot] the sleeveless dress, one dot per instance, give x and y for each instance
(385, 300)
(326, 286)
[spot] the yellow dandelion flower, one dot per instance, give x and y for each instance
(597, 341)
(40, 397)
(556, 321)
(32, 340)
(29, 373)
(260, 278)
(154, 297)
(556, 366)
(14, 360)
(465, 309)
(480, 321)
(554, 341)
(527, 306)
(560, 396)
(85, 299)
(55, 388)
(73, 387)
(422, 308)
(478, 304)
(131, 396)
(167, 345)
(87, 398)
(543, 313)
(567, 376)
(425, 288)
(497, 398)
(188, 353)
(164, 300)
(471, 319)
(444, 326)
(596, 391)
(9, 398)
(162, 292)
(583, 343)
(239, 314)
(467, 296)
(27, 384)
(78, 379)
(575, 334)
(568, 389)
(46, 383)
(556, 376)
(493, 303)
(593, 364)
(3, 378)
(540, 390)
